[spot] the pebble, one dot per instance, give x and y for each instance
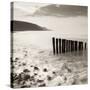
(36, 68)
(40, 81)
(42, 85)
(49, 78)
(26, 77)
(26, 70)
(45, 70)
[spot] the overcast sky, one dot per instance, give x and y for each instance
(28, 7)
(72, 23)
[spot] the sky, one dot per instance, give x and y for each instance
(28, 7)
(71, 25)
(50, 9)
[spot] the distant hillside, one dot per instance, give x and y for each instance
(62, 10)
(25, 26)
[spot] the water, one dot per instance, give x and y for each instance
(66, 25)
(34, 49)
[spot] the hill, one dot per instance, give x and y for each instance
(62, 10)
(25, 26)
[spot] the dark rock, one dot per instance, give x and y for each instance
(35, 74)
(65, 78)
(54, 72)
(36, 68)
(19, 65)
(26, 70)
(49, 78)
(24, 64)
(40, 81)
(32, 78)
(16, 58)
(24, 86)
(42, 85)
(45, 70)
(21, 76)
(26, 77)
(59, 84)
(31, 66)
(74, 83)
(69, 70)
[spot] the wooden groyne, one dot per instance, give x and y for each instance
(65, 45)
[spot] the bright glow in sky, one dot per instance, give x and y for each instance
(28, 7)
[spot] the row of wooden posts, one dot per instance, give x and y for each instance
(64, 45)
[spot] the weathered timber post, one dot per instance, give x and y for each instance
(69, 46)
(60, 46)
(72, 46)
(85, 45)
(63, 45)
(53, 43)
(76, 47)
(81, 45)
(57, 45)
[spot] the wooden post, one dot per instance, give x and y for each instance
(63, 45)
(69, 46)
(76, 47)
(60, 46)
(72, 46)
(66, 45)
(79, 46)
(53, 43)
(57, 45)
(85, 45)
